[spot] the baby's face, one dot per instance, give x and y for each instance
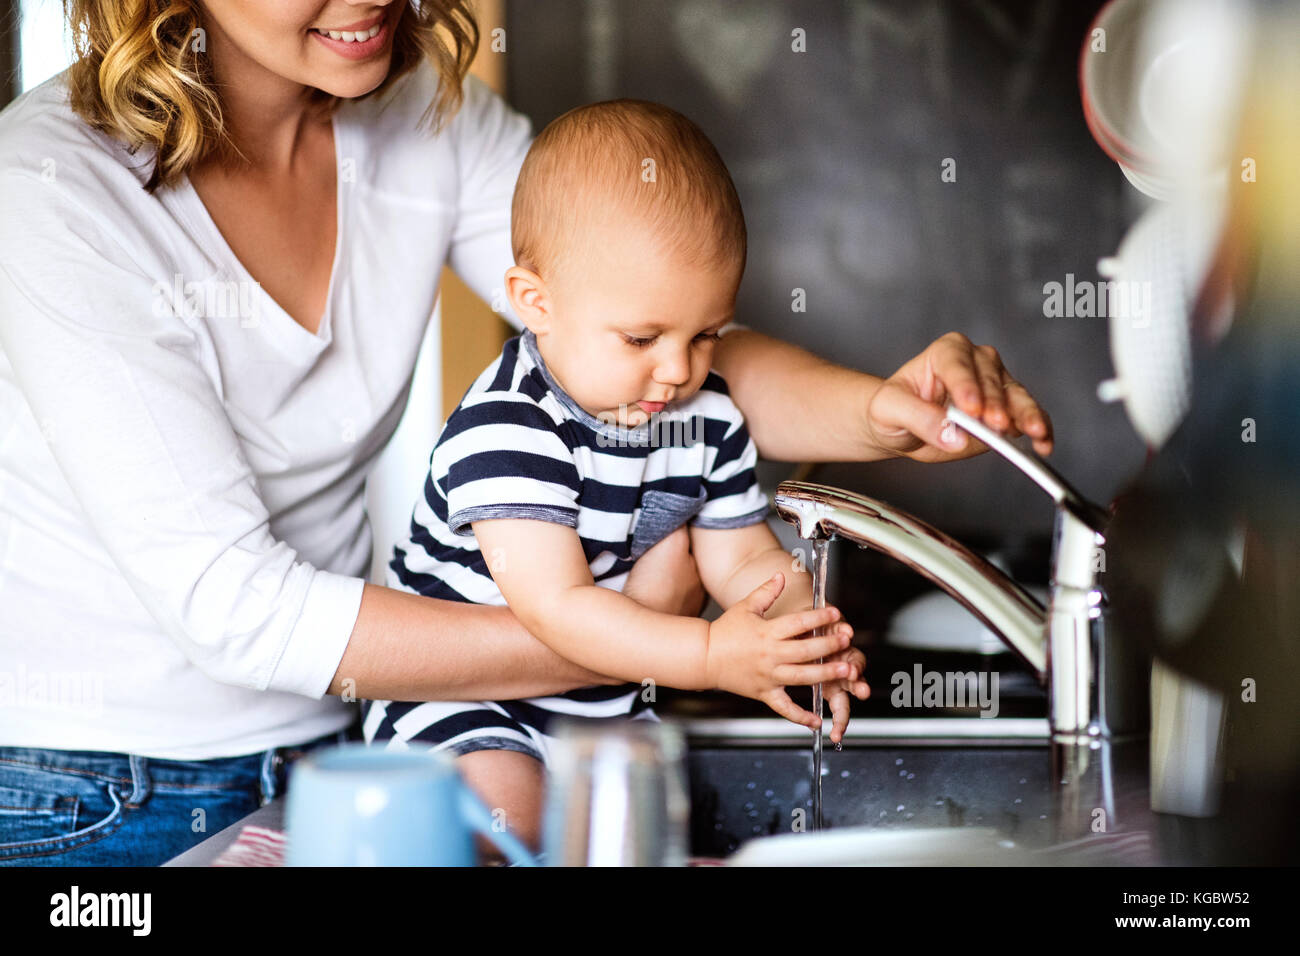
(632, 328)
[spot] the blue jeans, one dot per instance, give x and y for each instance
(91, 808)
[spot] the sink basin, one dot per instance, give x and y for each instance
(990, 780)
(743, 792)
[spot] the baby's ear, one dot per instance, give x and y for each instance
(529, 297)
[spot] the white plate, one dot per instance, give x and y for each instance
(872, 846)
(936, 622)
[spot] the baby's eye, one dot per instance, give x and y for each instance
(638, 343)
(707, 337)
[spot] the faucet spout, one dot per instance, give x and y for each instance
(1092, 693)
(1011, 612)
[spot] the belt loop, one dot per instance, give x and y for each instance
(271, 762)
(139, 780)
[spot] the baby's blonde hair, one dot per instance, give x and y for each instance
(139, 78)
(625, 158)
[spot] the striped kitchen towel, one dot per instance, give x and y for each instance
(255, 846)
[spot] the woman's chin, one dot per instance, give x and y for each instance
(351, 84)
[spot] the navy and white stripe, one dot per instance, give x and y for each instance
(518, 446)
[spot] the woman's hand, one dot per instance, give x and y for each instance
(906, 413)
(799, 407)
(665, 578)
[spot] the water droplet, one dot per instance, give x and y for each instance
(753, 814)
(902, 773)
(898, 762)
(1018, 800)
(1008, 844)
(884, 813)
(749, 806)
(757, 828)
(900, 808)
(1022, 779)
(911, 776)
(1042, 816)
(844, 774)
(717, 826)
(769, 793)
(751, 785)
(908, 815)
(758, 765)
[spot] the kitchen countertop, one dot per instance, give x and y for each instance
(1003, 784)
(270, 816)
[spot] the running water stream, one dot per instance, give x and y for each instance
(820, 549)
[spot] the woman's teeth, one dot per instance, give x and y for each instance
(350, 36)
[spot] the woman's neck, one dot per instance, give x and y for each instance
(266, 115)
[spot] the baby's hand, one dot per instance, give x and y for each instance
(836, 692)
(759, 658)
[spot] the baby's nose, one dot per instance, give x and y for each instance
(675, 371)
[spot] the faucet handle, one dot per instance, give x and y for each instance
(1042, 474)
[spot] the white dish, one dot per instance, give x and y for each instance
(872, 846)
(936, 622)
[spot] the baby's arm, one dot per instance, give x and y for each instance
(543, 574)
(733, 561)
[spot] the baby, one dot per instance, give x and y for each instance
(597, 433)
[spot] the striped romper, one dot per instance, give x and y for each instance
(517, 446)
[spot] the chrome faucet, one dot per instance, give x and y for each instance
(1091, 698)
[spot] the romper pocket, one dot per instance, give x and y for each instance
(662, 513)
(27, 815)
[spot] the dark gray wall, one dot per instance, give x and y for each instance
(9, 73)
(837, 155)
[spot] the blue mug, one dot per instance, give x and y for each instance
(354, 805)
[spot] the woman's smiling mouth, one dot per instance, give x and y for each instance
(363, 40)
(351, 36)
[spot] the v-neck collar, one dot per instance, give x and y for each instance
(191, 206)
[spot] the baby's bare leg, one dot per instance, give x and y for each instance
(509, 781)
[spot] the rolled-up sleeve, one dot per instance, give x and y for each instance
(491, 141)
(139, 432)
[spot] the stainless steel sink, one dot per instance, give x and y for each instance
(752, 778)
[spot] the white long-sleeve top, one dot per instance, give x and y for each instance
(183, 536)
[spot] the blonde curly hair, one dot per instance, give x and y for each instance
(138, 78)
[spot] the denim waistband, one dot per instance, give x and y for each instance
(267, 770)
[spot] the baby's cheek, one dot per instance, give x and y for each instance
(604, 376)
(700, 369)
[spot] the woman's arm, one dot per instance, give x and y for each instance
(409, 647)
(799, 407)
